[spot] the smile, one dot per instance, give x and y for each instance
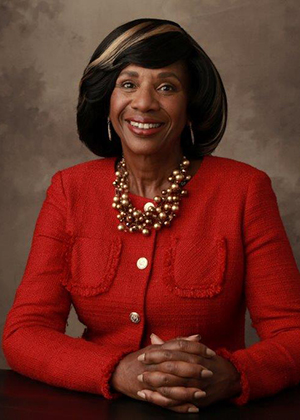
(145, 126)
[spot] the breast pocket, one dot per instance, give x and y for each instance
(93, 264)
(195, 267)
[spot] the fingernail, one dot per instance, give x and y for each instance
(193, 410)
(140, 378)
(210, 352)
(141, 394)
(195, 336)
(154, 335)
(199, 394)
(141, 357)
(205, 373)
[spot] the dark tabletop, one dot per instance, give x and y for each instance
(24, 398)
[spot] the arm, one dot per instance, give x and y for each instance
(272, 290)
(34, 340)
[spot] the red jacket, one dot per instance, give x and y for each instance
(226, 250)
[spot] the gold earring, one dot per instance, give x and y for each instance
(192, 133)
(108, 128)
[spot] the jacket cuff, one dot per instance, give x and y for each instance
(244, 397)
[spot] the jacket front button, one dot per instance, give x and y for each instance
(134, 317)
(142, 263)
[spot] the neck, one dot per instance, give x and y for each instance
(148, 175)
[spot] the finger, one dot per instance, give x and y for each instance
(158, 399)
(189, 347)
(158, 379)
(182, 393)
(178, 368)
(155, 339)
(159, 355)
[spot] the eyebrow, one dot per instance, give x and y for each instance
(160, 75)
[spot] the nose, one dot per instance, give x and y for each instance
(145, 99)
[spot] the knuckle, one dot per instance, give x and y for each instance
(165, 380)
(182, 344)
(170, 367)
(167, 354)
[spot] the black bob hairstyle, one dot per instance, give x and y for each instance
(151, 43)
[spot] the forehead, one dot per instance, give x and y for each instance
(178, 69)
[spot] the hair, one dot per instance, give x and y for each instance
(151, 43)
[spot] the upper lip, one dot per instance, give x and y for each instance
(144, 120)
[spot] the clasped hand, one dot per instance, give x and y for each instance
(181, 374)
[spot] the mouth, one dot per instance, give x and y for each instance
(144, 129)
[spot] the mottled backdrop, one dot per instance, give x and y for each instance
(44, 48)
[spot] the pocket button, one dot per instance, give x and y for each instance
(134, 317)
(142, 263)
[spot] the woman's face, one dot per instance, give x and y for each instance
(142, 97)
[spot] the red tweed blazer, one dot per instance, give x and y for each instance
(226, 250)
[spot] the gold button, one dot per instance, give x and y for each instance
(134, 317)
(147, 205)
(142, 263)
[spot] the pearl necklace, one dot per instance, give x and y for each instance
(133, 220)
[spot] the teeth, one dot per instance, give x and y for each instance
(144, 126)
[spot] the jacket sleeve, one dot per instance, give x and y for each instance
(34, 340)
(272, 292)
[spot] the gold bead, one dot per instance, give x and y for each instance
(175, 208)
(184, 192)
(158, 209)
(167, 223)
(186, 163)
(121, 227)
(176, 172)
(164, 192)
(179, 177)
(169, 198)
(124, 196)
(174, 198)
(169, 190)
(174, 187)
(170, 178)
(157, 199)
(188, 177)
(118, 206)
(124, 202)
(118, 173)
(141, 219)
(162, 215)
(166, 206)
(116, 199)
(114, 205)
(145, 232)
(148, 222)
(135, 213)
(157, 226)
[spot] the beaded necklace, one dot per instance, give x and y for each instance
(156, 216)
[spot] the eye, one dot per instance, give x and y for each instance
(127, 85)
(169, 88)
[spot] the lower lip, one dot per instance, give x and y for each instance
(142, 132)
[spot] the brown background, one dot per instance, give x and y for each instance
(45, 46)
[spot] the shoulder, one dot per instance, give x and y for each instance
(88, 167)
(75, 178)
(230, 170)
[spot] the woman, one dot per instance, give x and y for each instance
(158, 237)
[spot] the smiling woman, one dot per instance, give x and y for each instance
(158, 237)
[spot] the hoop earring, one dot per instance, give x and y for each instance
(108, 129)
(192, 133)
